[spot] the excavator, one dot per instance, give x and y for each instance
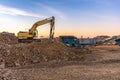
(32, 34)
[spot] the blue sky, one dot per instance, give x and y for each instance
(87, 18)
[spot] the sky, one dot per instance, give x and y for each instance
(87, 18)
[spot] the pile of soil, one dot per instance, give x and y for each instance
(19, 54)
(8, 38)
(26, 54)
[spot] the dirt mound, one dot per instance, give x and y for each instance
(8, 38)
(26, 54)
(19, 54)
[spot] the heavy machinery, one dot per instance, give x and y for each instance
(70, 41)
(117, 42)
(32, 34)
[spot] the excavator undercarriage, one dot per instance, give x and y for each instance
(29, 40)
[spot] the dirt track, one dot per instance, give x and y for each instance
(106, 66)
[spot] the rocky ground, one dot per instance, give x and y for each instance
(105, 67)
(54, 61)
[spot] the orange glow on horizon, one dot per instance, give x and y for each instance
(83, 34)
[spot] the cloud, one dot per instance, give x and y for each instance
(53, 11)
(16, 12)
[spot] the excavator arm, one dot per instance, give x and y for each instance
(51, 20)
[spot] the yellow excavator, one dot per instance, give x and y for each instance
(32, 34)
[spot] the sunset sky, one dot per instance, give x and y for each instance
(86, 18)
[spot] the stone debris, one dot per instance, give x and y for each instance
(27, 54)
(8, 38)
(9, 74)
(19, 54)
(14, 54)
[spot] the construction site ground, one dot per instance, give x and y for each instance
(54, 61)
(105, 67)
